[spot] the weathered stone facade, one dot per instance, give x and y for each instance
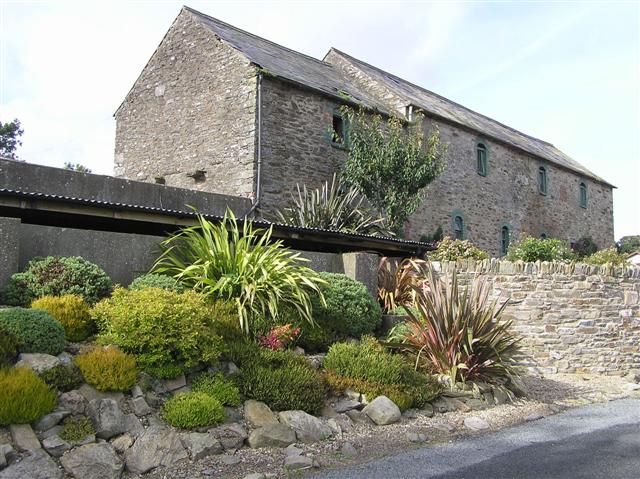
(195, 107)
(191, 110)
(573, 317)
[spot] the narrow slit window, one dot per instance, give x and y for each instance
(481, 159)
(505, 238)
(458, 227)
(583, 195)
(338, 129)
(542, 180)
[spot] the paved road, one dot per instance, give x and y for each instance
(591, 442)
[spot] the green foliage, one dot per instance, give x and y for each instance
(63, 378)
(71, 311)
(531, 249)
(10, 134)
(76, 167)
(390, 164)
(460, 333)
(108, 368)
(396, 283)
(217, 386)
(607, 256)
(36, 331)
(24, 397)
(334, 207)
(240, 265)
(585, 246)
(194, 409)
(76, 428)
(165, 330)
(152, 280)
(435, 237)
(452, 250)
(56, 276)
(349, 309)
(369, 369)
(629, 244)
(8, 347)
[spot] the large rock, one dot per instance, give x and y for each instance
(200, 444)
(347, 405)
(341, 423)
(298, 462)
(175, 383)
(72, 401)
(50, 420)
(382, 410)
(308, 428)
(476, 423)
(155, 447)
(93, 461)
(37, 362)
(133, 425)
(122, 443)
(258, 414)
(107, 417)
(23, 437)
(55, 446)
(90, 393)
(140, 406)
(37, 465)
(231, 436)
(273, 435)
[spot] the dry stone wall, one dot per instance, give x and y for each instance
(573, 317)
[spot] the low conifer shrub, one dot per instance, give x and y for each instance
(35, 331)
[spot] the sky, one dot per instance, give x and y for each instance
(565, 72)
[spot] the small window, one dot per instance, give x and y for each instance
(544, 236)
(542, 180)
(339, 133)
(481, 159)
(583, 195)
(458, 227)
(505, 239)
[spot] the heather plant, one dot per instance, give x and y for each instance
(24, 397)
(63, 378)
(57, 276)
(193, 409)
(531, 249)
(34, 330)
(279, 337)
(241, 265)
(71, 311)
(108, 368)
(454, 249)
(217, 386)
(153, 280)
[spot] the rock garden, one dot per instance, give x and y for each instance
(233, 359)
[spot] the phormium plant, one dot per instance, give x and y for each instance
(395, 282)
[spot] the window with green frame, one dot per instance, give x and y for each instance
(339, 129)
(458, 226)
(542, 180)
(481, 158)
(505, 239)
(583, 194)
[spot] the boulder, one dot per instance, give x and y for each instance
(133, 425)
(93, 461)
(37, 465)
(154, 399)
(476, 423)
(308, 428)
(258, 414)
(122, 443)
(260, 475)
(90, 393)
(347, 405)
(65, 358)
(348, 450)
(37, 362)
(107, 418)
(427, 410)
(200, 444)
(382, 411)
(230, 459)
(72, 401)
(416, 437)
(23, 437)
(155, 447)
(140, 406)
(273, 435)
(175, 383)
(231, 436)
(358, 417)
(341, 423)
(500, 396)
(136, 391)
(232, 414)
(55, 446)
(292, 450)
(54, 431)
(50, 420)
(298, 462)
(7, 452)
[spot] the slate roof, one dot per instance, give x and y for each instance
(324, 77)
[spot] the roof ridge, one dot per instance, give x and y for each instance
(228, 25)
(439, 96)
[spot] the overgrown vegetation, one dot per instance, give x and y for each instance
(71, 311)
(241, 265)
(531, 249)
(24, 397)
(454, 249)
(391, 162)
(108, 368)
(76, 428)
(63, 378)
(584, 247)
(34, 330)
(167, 332)
(194, 409)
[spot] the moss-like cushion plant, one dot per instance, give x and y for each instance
(36, 331)
(194, 409)
(108, 368)
(217, 386)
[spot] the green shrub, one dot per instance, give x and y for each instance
(56, 276)
(24, 397)
(8, 347)
(76, 428)
(194, 409)
(71, 311)
(585, 246)
(153, 280)
(108, 369)
(531, 249)
(454, 249)
(63, 378)
(607, 256)
(349, 310)
(166, 331)
(217, 386)
(242, 265)
(35, 331)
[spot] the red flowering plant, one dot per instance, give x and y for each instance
(279, 337)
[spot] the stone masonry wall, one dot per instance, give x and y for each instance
(574, 318)
(192, 108)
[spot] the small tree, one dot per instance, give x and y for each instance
(391, 164)
(10, 134)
